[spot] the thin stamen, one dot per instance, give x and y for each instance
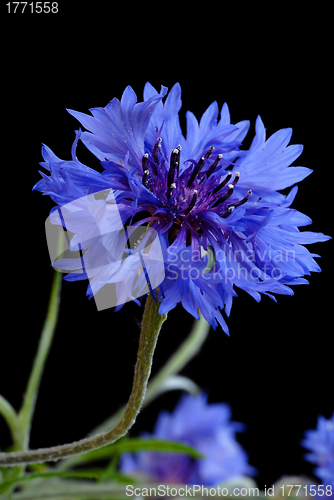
(222, 184)
(157, 145)
(236, 178)
(145, 177)
(226, 195)
(173, 164)
(196, 171)
(146, 171)
(178, 163)
(214, 165)
(228, 212)
(192, 203)
(208, 153)
(144, 162)
(241, 202)
(199, 166)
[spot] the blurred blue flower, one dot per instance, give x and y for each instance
(321, 444)
(200, 193)
(206, 427)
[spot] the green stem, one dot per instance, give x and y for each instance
(20, 424)
(151, 326)
(187, 350)
(26, 412)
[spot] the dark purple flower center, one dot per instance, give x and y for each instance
(184, 195)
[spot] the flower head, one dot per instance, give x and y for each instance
(221, 222)
(320, 442)
(206, 427)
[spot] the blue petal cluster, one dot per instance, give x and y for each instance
(206, 427)
(221, 220)
(320, 442)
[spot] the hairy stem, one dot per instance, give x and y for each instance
(187, 350)
(151, 326)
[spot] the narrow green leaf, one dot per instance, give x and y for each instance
(120, 478)
(46, 475)
(135, 444)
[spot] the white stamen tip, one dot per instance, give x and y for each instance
(173, 185)
(231, 208)
(237, 174)
(159, 139)
(146, 172)
(230, 186)
(195, 191)
(220, 155)
(176, 151)
(179, 147)
(250, 192)
(146, 155)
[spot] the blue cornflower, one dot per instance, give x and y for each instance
(206, 427)
(221, 221)
(321, 444)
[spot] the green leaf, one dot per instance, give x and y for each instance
(86, 475)
(118, 477)
(122, 446)
(135, 444)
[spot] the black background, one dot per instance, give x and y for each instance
(275, 369)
